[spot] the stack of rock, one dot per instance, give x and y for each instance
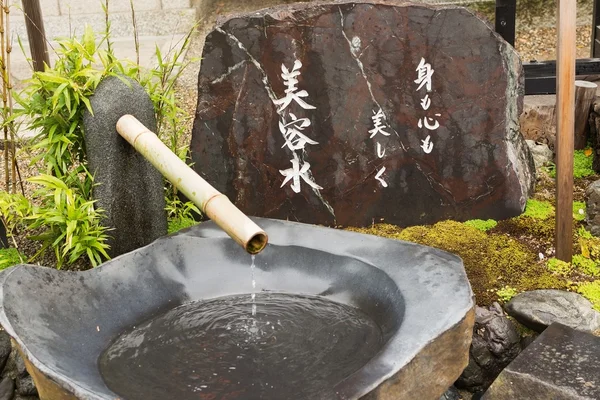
(16, 383)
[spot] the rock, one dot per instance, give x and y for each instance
(128, 188)
(496, 342)
(538, 309)
(451, 394)
(7, 388)
(562, 363)
(15, 366)
(541, 153)
(5, 348)
(538, 120)
(592, 201)
(351, 152)
(3, 237)
(25, 386)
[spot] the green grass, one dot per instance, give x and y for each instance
(538, 209)
(9, 257)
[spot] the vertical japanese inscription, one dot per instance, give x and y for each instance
(424, 81)
(292, 128)
(379, 128)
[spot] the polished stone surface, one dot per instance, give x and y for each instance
(351, 113)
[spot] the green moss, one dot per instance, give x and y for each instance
(538, 209)
(506, 293)
(591, 291)
(579, 210)
(482, 225)
(178, 224)
(582, 165)
(585, 265)
(559, 267)
(9, 257)
(492, 261)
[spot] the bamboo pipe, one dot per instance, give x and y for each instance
(212, 203)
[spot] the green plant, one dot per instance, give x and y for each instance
(585, 265)
(506, 293)
(538, 209)
(482, 225)
(70, 223)
(10, 257)
(582, 165)
(55, 101)
(579, 210)
(180, 215)
(591, 291)
(559, 267)
(584, 233)
(14, 208)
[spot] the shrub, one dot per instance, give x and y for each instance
(71, 225)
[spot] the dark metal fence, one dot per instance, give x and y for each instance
(540, 77)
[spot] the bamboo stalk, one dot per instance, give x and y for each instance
(212, 203)
(565, 114)
(10, 99)
(4, 95)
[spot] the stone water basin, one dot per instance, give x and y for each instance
(339, 315)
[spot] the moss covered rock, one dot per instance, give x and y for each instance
(492, 261)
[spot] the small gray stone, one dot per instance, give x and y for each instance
(15, 366)
(496, 342)
(561, 364)
(541, 153)
(7, 388)
(5, 348)
(128, 188)
(538, 309)
(25, 386)
(592, 200)
(451, 394)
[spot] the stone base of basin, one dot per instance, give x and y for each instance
(442, 361)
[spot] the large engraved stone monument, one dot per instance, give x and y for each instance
(349, 113)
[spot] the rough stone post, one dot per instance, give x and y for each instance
(128, 188)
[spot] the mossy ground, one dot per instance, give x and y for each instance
(515, 254)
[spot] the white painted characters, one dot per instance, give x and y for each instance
(292, 128)
(292, 132)
(290, 79)
(379, 127)
(425, 80)
(295, 173)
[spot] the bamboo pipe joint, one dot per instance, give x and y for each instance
(213, 204)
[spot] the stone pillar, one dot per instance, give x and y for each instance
(128, 188)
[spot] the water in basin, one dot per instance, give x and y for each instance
(295, 346)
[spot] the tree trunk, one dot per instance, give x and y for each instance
(585, 94)
(36, 34)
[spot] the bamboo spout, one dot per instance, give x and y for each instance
(212, 203)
